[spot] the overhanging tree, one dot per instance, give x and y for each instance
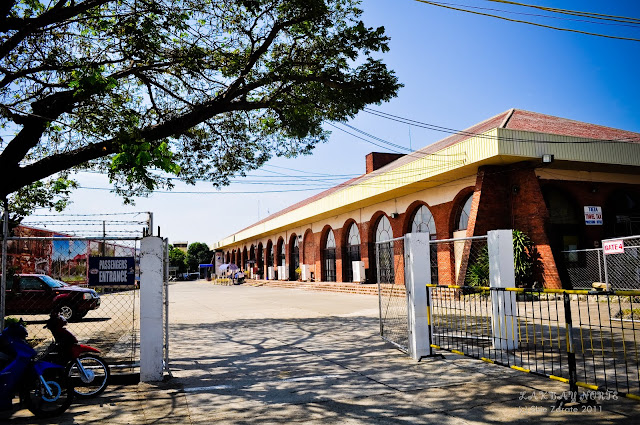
(147, 90)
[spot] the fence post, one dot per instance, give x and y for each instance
(571, 354)
(417, 272)
(504, 313)
(151, 308)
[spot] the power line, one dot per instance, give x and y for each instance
(616, 18)
(453, 131)
(460, 9)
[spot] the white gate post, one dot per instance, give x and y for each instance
(151, 308)
(504, 315)
(417, 272)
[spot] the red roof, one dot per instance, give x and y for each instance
(513, 119)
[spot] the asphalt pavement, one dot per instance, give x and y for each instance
(248, 355)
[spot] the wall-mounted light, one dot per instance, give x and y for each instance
(394, 215)
(547, 158)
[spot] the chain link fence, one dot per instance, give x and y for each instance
(584, 267)
(618, 271)
(622, 269)
(93, 283)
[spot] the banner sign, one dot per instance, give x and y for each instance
(613, 247)
(111, 271)
(593, 216)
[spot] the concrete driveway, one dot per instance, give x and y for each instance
(245, 355)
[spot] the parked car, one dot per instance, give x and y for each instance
(42, 294)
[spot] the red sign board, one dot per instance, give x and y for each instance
(613, 247)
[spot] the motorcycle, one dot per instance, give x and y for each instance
(89, 373)
(43, 387)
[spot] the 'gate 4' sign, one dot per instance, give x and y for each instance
(613, 247)
(593, 216)
(111, 271)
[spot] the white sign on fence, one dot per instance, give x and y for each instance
(613, 247)
(593, 216)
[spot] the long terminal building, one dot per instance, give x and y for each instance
(517, 170)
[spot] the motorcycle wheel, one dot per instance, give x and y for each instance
(94, 381)
(46, 404)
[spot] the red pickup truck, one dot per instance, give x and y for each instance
(42, 294)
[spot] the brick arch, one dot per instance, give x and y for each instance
(455, 206)
(290, 254)
(308, 245)
(243, 259)
(347, 267)
(373, 223)
(260, 259)
(276, 255)
(269, 255)
(323, 242)
(345, 230)
(410, 211)
(371, 245)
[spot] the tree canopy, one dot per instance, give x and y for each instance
(198, 253)
(177, 258)
(150, 90)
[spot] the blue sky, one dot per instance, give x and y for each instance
(458, 69)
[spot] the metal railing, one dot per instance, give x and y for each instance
(584, 338)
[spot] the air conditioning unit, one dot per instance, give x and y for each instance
(283, 272)
(305, 273)
(270, 273)
(358, 271)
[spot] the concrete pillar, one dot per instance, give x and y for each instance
(151, 309)
(504, 321)
(417, 274)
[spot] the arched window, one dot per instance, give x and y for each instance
(269, 254)
(244, 259)
(464, 213)
(260, 259)
(423, 222)
(281, 256)
(352, 250)
(330, 257)
(294, 256)
(252, 257)
(384, 251)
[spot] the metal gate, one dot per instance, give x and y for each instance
(394, 325)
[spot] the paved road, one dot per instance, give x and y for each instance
(248, 355)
